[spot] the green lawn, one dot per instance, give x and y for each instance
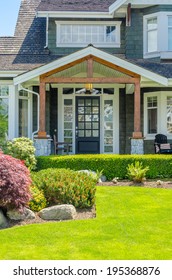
(131, 223)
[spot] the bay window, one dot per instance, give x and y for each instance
(158, 114)
(157, 35)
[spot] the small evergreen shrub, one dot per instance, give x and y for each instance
(137, 172)
(38, 200)
(22, 148)
(64, 186)
(14, 183)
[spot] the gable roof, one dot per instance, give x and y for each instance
(90, 50)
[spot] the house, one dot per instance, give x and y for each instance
(98, 74)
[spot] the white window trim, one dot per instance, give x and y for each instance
(161, 114)
(162, 36)
(105, 45)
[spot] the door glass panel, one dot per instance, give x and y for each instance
(88, 125)
(95, 133)
(88, 102)
(95, 102)
(95, 125)
(80, 125)
(88, 110)
(80, 110)
(88, 133)
(88, 118)
(81, 133)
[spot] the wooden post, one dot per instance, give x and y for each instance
(137, 114)
(42, 112)
(90, 68)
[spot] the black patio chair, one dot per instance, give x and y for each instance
(161, 145)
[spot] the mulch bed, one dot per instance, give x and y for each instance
(91, 213)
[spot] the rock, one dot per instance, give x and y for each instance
(58, 212)
(103, 178)
(3, 220)
(27, 214)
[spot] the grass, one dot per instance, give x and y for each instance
(131, 223)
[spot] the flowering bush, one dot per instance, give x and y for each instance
(14, 183)
(66, 186)
(22, 148)
(38, 200)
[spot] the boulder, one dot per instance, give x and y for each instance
(27, 214)
(58, 212)
(3, 220)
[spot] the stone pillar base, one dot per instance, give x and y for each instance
(137, 146)
(42, 146)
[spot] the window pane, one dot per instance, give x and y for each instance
(3, 118)
(152, 114)
(170, 33)
(152, 35)
(169, 114)
(152, 41)
(152, 121)
(4, 90)
(23, 117)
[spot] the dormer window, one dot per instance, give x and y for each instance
(157, 35)
(80, 34)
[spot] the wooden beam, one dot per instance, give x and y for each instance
(42, 111)
(64, 67)
(101, 80)
(137, 114)
(116, 67)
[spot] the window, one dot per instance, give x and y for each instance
(152, 114)
(4, 92)
(169, 114)
(152, 35)
(170, 33)
(23, 113)
(158, 114)
(105, 34)
(157, 35)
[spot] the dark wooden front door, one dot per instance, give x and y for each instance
(87, 125)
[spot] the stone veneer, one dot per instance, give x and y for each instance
(42, 146)
(137, 146)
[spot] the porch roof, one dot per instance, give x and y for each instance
(90, 50)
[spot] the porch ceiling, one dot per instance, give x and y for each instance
(80, 69)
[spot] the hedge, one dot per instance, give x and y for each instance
(160, 166)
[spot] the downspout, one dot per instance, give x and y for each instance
(128, 19)
(33, 92)
(47, 25)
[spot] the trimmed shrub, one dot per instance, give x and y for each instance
(14, 183)
(112, 165)
(22, 148)
(38, 200)
(64, 186)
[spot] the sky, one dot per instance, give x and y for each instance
(8, 16)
